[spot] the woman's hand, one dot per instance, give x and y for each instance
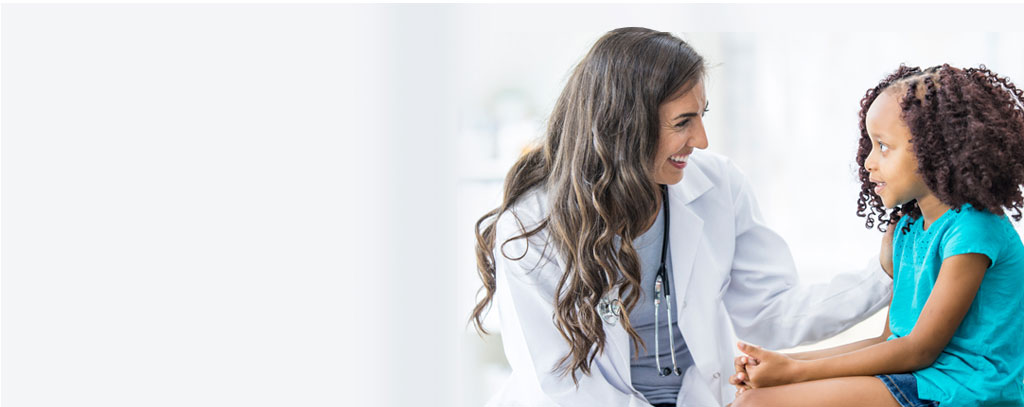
(885, 253)
(772, 369)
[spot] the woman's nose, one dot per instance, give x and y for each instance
(699, 139)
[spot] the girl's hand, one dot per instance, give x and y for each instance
(740, 377)
(773, 368)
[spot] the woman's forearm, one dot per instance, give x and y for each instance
(835, 351)
(896, 356)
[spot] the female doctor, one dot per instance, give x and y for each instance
(624, 262)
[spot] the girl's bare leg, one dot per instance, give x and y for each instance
(859, 391)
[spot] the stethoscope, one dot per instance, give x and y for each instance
(609, 308)
(662, 290)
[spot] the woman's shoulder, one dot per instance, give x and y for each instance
(529, 211)
(517, 237)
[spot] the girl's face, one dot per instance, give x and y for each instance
(681, 129)
(891, 163)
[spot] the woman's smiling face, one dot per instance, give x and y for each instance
(892, 163)
(680, 130)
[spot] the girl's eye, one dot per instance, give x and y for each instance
(706, 109)
(883, 147)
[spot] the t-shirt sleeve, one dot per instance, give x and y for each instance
(974, 232)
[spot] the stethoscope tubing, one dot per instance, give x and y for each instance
(661, 287)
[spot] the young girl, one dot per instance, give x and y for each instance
(944, 147)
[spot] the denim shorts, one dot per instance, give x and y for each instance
(904, 389)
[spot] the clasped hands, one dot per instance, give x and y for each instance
(762, 368)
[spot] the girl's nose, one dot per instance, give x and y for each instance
(869, 162)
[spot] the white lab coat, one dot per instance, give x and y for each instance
(736, 275)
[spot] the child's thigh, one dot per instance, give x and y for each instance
(860, 391)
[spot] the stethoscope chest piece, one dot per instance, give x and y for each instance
(609, 308)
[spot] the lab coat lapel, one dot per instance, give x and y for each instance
(617, 345)
(685, 228)
(685, 231)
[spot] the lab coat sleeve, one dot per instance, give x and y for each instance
(525, 297)
(768, 304)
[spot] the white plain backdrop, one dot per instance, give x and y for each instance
(270, 205)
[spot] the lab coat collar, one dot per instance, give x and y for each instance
(694, 184)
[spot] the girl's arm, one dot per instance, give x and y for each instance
(743, 362)
(951, 298)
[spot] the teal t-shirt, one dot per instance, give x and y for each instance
(983, 364)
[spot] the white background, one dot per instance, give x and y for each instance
(269, 205)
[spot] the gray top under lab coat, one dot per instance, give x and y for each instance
(643, 371)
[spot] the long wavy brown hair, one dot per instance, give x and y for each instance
(967, 132)
(596, 165)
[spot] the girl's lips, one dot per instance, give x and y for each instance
(878, 188)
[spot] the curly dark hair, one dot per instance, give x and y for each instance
(967, 132)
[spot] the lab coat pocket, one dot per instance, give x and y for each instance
(694, 392)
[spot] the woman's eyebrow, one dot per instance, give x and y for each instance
(690, 114)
